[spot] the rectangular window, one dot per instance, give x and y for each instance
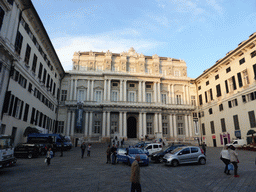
(179, 117)
(207, 83)
(60, 127)
(252, 119)
(34, 63)
(148, 86)
(221, 107)
(98, 96)
(22, 81)
(206, 100)
(32, 119)
(81, 94)
(236, 122)
(54, 89)
(48, 81)
(96, 127)
(131, 85)
(165, 126)
(241, 61)
(218, 90)
(40, 71)
(11, 105)
(223, 125)
(131, 96)
(254, 70)
(240, 82)
(148, 97)
(217, 77)
(64, 95)
(149, 128)
(164, 117)
(163, 98)
(44, 76)
(193, 100)
(21, 109)
(234, 82)
(18, 108)
(212, 127)
(14, 131)
(199, 88)
(27, 54)
(228, 69)
(25, 116)
(114, 96)
(180, 129)
(18, 42)
(232, 103)
(2, 129)
(1, 17)
(200, 100)
(253, 54)
(178, 99)
(210, 111)
(115, 84)
(245, 77)
(203, 129)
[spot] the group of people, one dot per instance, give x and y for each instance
(83, 147)
(111, 151)
(229, 155)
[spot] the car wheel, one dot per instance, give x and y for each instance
(202, 161)
(30, 155)
(175, 163)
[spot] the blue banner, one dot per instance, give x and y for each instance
(79, 118)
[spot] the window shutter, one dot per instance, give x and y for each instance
(229, 104)
(240, 82)
(211, 94)
(226, 83)
(205, 97)
(234, 82)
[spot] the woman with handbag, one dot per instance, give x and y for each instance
(225, 157)
(49, 155)
(233, 159)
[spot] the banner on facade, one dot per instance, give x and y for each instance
(79, 118)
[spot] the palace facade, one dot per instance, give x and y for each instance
(128, 95)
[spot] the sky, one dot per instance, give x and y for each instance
(200, 32)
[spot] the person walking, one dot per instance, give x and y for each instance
(89, 150)
(204, 147)
(234, 159)
(108, 154)
(83, 146)
(135, 175)
(225, 157)
(113, 152)
(49, 155)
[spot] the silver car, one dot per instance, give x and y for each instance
(183, 155)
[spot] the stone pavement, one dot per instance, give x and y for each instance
(71, 173)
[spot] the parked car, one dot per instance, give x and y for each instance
(183, 155)
(153, 147)
(158, 156)
(142, 144)
(127, 155)
(238, 143)
(27, 150)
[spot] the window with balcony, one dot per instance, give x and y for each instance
(98, 96)
(180, 129)
(163, 98)
(148, 97)
(149, 128)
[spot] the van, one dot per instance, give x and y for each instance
(238, 143)
(152, 148)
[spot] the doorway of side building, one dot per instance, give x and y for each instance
(131, 127)
(214, 143)
(225, 141)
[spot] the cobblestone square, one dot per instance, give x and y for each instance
(71, 173)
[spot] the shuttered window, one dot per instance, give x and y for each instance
(226, 84)
(240, 82)
(236, 122)
(252, 119)
(223, 125)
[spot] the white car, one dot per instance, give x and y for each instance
(238, 143)
(153, 147)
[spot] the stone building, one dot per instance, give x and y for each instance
(30, 71)
(128, 95)
(227, 95)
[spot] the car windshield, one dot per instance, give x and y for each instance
(136, 151)
(176, 150)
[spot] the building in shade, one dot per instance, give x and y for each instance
(30, 71)
(129, 95)
(227, 96)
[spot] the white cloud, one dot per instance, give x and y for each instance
(215, 5)
(66, 45)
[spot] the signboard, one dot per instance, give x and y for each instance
(214, 137)
(79, 118)
(238, 134)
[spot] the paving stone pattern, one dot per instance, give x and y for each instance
(71, 173)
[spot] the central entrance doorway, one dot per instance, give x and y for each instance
(131, 127)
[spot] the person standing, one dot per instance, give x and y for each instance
(204, 147)
(83, 146)
(89, 150)
(61, 149)
(49, 155)
(113, 152)
(234, 159)
(122, 142)
(135, 175)
(225, 157)
(108, 154)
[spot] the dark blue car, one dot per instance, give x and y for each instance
(128, 156)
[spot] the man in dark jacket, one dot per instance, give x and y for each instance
(83, 146)
(113, 152)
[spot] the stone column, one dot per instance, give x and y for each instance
(186, 124)
(125, 125)
(88, 90)
(71, 90)
(121, 90)
(144, 124)
(169, 94)
(173, 96)
(86, 123)
(105, 90)
(104, 124)
(109, 89)
(160, 129)
(140, 125)
(156, 123)
(170, 125)
(68, 123)
(73, 123)
(139, 96)
(144, 91)
(92, 90)
(175, 126)
(75, 96)
(154, 87)
(108, 124)
(90, 125)
(159, 92)
(189, 126)
(188, 97)
(120, 124)
(125, 90)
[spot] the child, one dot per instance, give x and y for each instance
(89, 150)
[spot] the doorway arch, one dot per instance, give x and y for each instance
(131, 127)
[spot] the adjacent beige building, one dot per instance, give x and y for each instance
(128, 95)
(227, 95)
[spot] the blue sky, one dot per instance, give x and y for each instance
(197, 31)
